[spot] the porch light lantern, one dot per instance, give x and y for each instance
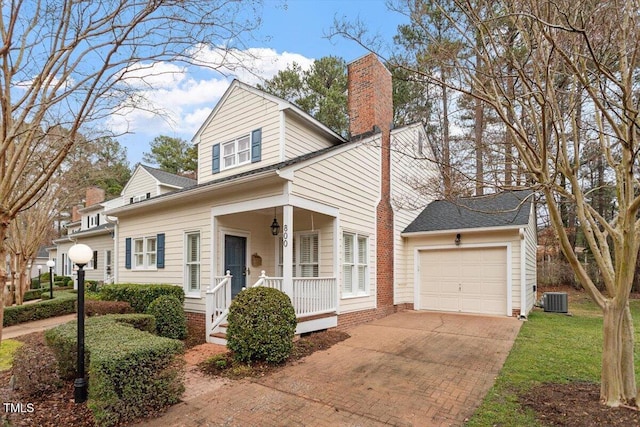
(458, 238)
(275, 227)
(80, 255)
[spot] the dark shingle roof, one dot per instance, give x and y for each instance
(496, 210)
(168, 178)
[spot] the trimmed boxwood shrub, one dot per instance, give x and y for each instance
(133, 373)
(32, 294)
(139, 295)
(171, 322)
(99, 308)
(262, 322)
(63, 303)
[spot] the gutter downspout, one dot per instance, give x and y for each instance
(523, 275)
(114, 258)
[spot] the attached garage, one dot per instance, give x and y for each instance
(475, 255)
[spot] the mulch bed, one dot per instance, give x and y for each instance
(223, 365)
(575, 405)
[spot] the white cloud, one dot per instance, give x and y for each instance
(176, 100)
(251, 65)
(154, 75)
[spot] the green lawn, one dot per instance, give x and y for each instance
(550, 348)
(7, 349)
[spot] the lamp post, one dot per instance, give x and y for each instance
(39, 276)
(80, 255)
(51, 263)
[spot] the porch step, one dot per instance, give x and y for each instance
(219, 338)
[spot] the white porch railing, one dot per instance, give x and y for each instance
(311, 295)
(218, 300)
(314, 295)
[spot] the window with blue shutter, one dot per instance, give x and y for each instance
(256, 145)
(215, 162)
(160, 250)
(127, 252)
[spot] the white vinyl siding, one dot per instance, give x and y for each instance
(140, 183)
(301, 139)
(348, 180)
(355, 268)
(241, 112)
(144, 253)
(408, 175)
(192, 263)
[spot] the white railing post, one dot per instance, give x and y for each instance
(227, 290)
(208, 311)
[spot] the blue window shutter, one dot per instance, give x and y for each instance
(127, 252)
(160, 250)
(215, 162)
(256, 145)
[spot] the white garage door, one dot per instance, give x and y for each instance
(464, 280)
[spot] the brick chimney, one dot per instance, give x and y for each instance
(75, 215)
(370, 105)
(94, 195)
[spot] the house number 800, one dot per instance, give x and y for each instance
(285, 236)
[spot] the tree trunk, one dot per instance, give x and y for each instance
(446, 147)
(479, 125)
(618, 384)
(4, 226)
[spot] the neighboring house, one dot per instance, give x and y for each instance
(477, 255)
(335, 204)
(91, 226)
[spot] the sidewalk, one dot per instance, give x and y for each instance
(35, 326)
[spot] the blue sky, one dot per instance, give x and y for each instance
(292, 30)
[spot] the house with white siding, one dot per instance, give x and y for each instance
(91, 226)
(283, 201)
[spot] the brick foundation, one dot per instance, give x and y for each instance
(197, 318)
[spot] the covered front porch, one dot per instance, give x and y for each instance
(291, 248)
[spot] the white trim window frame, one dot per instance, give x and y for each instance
(139, 198)
(308, 249)
(236, 152)
(306, 254)
(144, 253)
(192, 247)
(355, 264)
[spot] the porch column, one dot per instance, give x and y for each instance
(287, 250)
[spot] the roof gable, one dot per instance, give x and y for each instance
(507, 209)
(168, 178)
(281, 103)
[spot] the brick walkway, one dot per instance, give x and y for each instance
(408, 369)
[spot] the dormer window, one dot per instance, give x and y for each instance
(236, 152)
(139, 198)
(240, 151)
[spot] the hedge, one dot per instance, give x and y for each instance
(32, 294)
(139, 295)
(133, 373)
(63, 303)
(99, 308)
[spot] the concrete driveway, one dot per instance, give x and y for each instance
(408, 369)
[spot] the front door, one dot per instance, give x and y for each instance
(235, 260)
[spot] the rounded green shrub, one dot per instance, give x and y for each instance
(171, 322)
(262, 322)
